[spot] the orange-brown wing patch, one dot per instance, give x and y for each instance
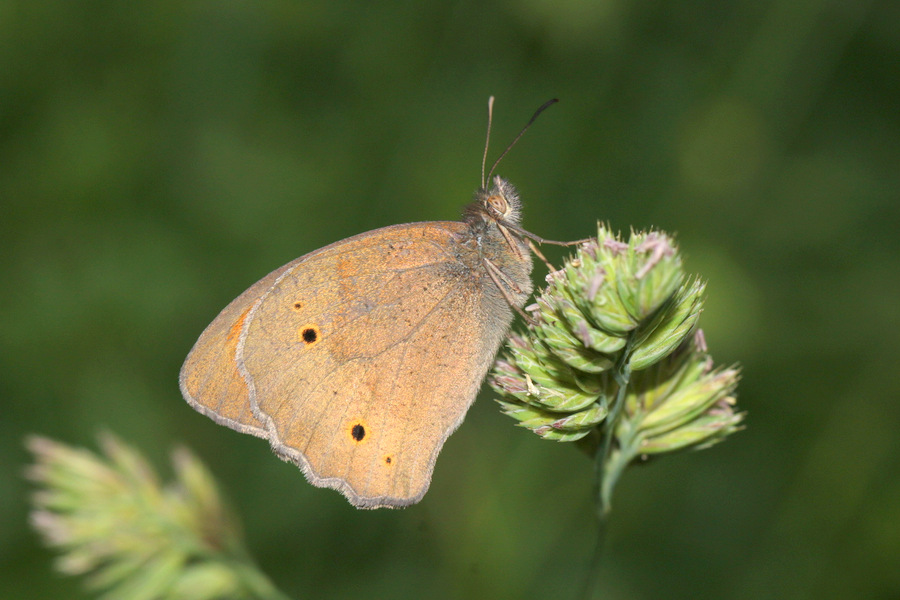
(210, 380)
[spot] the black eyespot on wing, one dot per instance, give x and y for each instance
(358, 432)
(309, 334)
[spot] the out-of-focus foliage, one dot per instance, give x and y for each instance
(156, 158)
(112, 521)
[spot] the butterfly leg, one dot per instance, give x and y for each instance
(503, 282)
(541, 256)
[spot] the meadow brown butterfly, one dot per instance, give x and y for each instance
(358, 360)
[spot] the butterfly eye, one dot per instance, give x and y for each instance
(498, 205)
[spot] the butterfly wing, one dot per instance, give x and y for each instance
(363, 357)
(209, 379)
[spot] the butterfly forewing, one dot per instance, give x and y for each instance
(364, 356)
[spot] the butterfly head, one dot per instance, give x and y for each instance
(499, 204)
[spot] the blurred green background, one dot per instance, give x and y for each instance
(156, 158)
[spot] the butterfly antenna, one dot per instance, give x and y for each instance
(487, 140)
(543, 107)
